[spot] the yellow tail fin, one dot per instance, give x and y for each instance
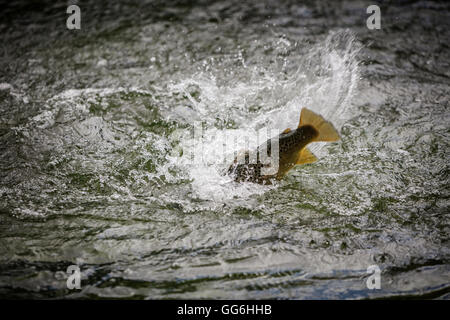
(326, 130)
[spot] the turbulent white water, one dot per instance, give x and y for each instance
(98, 149)
(323, 79)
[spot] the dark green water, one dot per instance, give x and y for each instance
(94, 170)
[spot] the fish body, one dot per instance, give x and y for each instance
(291, 150)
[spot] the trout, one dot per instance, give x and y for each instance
(292, 150)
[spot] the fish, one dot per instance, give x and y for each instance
(292, 150)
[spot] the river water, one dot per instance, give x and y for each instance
(95, 140)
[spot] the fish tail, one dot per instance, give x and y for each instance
(326, 130)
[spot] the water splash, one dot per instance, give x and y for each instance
(323, 79)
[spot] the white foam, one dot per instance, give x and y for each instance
(325, 82)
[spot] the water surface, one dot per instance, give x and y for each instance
(94, 173)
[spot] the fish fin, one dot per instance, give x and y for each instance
(325, 129)
(286, 130)
(305, 156)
